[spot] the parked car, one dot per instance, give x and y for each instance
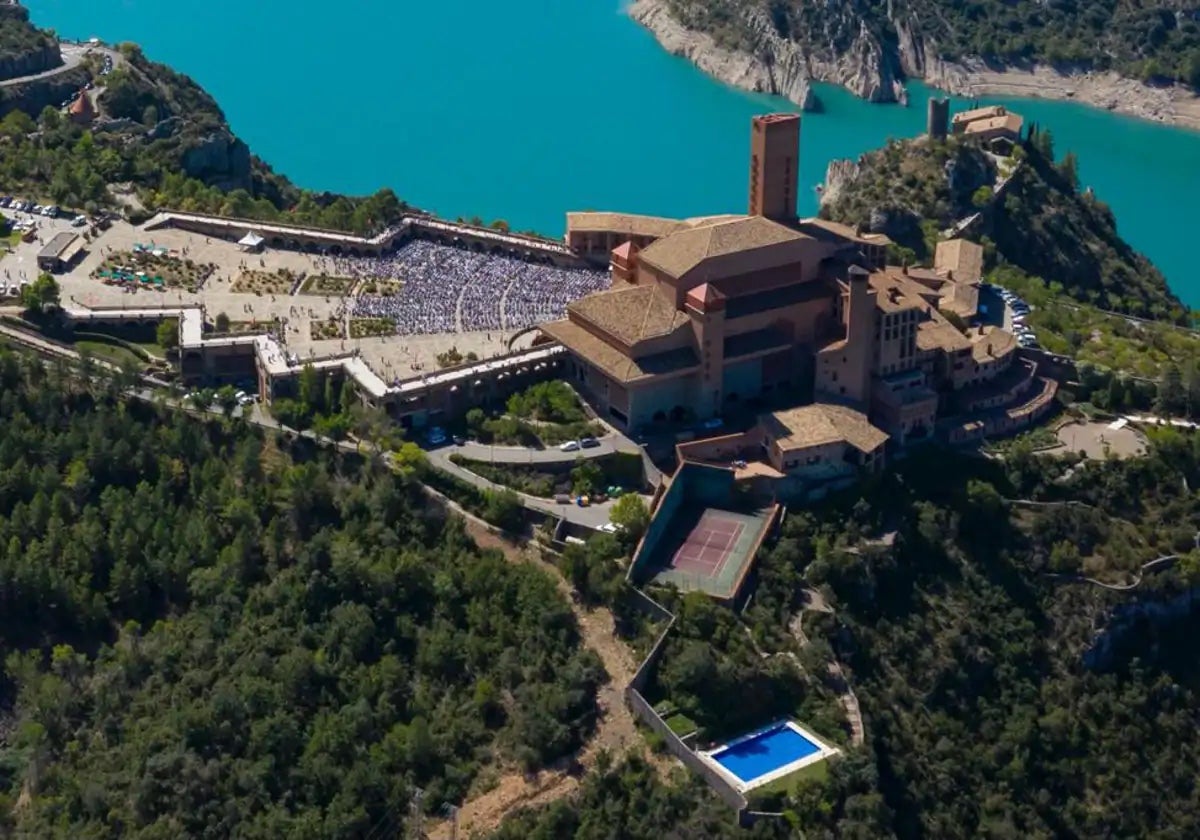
(436, 436)
(459, 440)
(569, 446)
(712, 423)
(588, 442)
(608, 528)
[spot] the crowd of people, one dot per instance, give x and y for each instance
(447, 289)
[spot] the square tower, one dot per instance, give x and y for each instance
(774, 166)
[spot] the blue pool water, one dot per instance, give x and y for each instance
(765, 752)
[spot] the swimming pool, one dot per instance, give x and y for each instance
(782, 747)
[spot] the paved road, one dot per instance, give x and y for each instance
(72, 55)
(609, 444)
(592, 516)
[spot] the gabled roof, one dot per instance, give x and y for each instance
(984, 113)
(820, 424)
(630, 314)
(1008, 122)
(613, 361)
(962, 257)
(686, 250)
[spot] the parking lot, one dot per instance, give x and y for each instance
(1006, 309)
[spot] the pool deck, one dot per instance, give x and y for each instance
(823, 752)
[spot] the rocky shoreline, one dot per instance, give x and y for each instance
(785, 68)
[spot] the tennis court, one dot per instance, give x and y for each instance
(709, 545)
(702, 537)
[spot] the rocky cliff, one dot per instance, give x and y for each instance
(29, 62)
(775, 64)
(871, 47)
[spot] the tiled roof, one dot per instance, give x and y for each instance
(939, 334)
(822, 423)
(826, 229)
(630, 314)
(1008, 122)
(991, 343)
(978, 114)
(687, 249)
(626, 223)
(613, 361)
(962, 258)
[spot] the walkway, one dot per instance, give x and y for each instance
(1154, 565)
(846, 696)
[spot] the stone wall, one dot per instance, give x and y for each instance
(644, 712)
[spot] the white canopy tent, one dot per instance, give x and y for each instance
(251, 241)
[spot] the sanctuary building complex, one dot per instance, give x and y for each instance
(706, 315)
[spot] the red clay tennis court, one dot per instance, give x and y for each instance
(708, 545)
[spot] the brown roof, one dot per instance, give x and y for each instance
(962, 258)
(706, 296)
(629, 224)
(979, 114)
(630, 314)
(939, 334)
(615, 362)
(991, 343)
(817, 226)
(1008, 122)
(687, 249)
(625, 250)
(894, 294)
(82, 106)
(820, 424)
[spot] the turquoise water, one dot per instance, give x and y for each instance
(526, 109)
(765, 752)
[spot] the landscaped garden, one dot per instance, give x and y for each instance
(153, 268)
(606, 475)
(325, 284)
(371, 327)
(381, 287)
(332, 328)
(253, 281)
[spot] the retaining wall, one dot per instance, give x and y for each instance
(644, 712)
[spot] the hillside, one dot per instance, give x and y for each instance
(158, 137)
(872, 46)
(210, 634)
(999, 701)
(1043, 224)
(24, 49)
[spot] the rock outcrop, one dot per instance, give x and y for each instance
(220, 159)
(776, 64)
(871, 51)
(31, 62)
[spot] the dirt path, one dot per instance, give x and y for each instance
(845, 692)
(616, 733)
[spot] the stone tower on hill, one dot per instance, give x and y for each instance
(938, 118)
(774, 166)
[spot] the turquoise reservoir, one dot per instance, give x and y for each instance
(526, 109)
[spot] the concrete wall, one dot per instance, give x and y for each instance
(644, 712)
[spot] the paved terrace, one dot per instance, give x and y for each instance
(239, 227)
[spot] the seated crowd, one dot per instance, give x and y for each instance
(440, 281)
